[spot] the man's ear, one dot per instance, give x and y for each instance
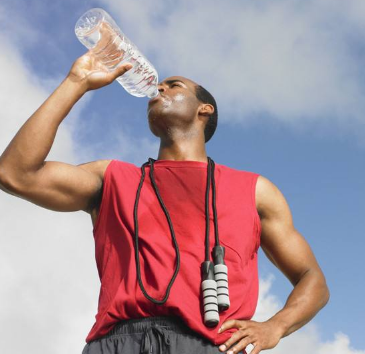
(206, 109)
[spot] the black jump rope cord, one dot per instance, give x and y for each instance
(210, 178)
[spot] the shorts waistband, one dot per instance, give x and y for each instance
(140, 325)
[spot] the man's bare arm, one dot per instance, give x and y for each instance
(23, 169)
(289, 251)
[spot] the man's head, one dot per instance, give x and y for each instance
(183, 109)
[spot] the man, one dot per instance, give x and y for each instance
(182, 116)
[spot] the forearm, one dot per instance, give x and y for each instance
(30, 146)
(309, 295)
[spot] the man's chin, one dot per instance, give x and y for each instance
(153, 116)
(155, 113)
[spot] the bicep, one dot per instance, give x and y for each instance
(282, 243)
(60, 186)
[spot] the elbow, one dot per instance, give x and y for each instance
(4, 176)
(3, 179)
(13, 182)
(319, 287)
(2, 173)
(324, 292)
(7, 184)
(327, 295)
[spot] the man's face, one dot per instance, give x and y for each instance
(176, 106)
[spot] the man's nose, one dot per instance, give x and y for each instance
(161, 88)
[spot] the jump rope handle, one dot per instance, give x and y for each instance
(221, 278)
(210, 299)
(215, 287)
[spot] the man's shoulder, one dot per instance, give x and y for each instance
(268, 195)
(100, 166)
(97, 167)
(237, 170)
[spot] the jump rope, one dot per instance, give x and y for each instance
(214, 274)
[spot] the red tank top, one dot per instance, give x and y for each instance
(182, 186)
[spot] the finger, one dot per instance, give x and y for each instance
(256, 349)
(237, 347)
(112, 75)
(227, 324)
(122, 69)
(232, 324)
(233, 340)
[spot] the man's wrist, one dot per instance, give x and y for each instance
(279, 324)
(77, 87)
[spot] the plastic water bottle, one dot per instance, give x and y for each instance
(98, 32)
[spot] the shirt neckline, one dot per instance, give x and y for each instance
(185, 163)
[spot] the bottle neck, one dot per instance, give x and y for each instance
(154, 93)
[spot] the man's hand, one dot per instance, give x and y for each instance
(90, 73)
(262, 335)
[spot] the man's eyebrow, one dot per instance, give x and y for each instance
(169, 82)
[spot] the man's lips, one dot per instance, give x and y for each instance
(155, 99)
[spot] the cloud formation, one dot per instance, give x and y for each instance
(296, 62)
(305, 340)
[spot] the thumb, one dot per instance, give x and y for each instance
(122, 69)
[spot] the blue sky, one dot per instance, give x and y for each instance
(288, 77)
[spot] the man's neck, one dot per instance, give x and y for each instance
(183, 151)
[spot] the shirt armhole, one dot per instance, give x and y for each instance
(105, 196)
(257, 220)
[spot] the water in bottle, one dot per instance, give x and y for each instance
(98, 32)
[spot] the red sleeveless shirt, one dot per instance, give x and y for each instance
(182, 186)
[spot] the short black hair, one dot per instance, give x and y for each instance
(205, 97)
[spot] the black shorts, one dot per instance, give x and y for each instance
(151, 335)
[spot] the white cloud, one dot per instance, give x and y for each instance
(268, 304)
(136, 150)
(305, 340)
(21, 93)
(292, 60)
(125, 144)
(340, 345)
(10, 18)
